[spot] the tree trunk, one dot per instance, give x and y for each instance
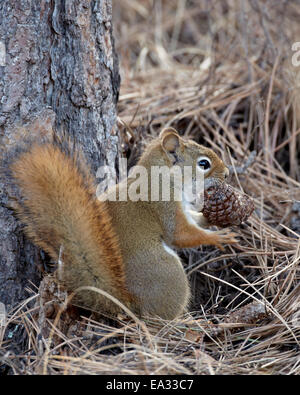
(58, 64)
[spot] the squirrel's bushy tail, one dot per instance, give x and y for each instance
(63, 216)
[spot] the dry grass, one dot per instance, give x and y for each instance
(221, 73)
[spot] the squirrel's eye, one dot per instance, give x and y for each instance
(204, 163)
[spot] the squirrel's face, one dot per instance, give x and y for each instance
(181, 152)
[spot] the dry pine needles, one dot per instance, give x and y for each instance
(221, 73)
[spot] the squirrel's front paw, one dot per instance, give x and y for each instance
(225, 236)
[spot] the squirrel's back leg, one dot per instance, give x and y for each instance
(158, 282)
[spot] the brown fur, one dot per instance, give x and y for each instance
(122, 247)
(60, 210)
(154, 276)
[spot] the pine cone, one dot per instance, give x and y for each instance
(223, 206)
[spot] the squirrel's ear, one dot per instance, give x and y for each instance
(170, 139)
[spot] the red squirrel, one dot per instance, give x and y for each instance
(121, 247)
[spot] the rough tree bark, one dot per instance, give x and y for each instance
(57, 61)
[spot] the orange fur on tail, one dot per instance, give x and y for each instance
(61, 213)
